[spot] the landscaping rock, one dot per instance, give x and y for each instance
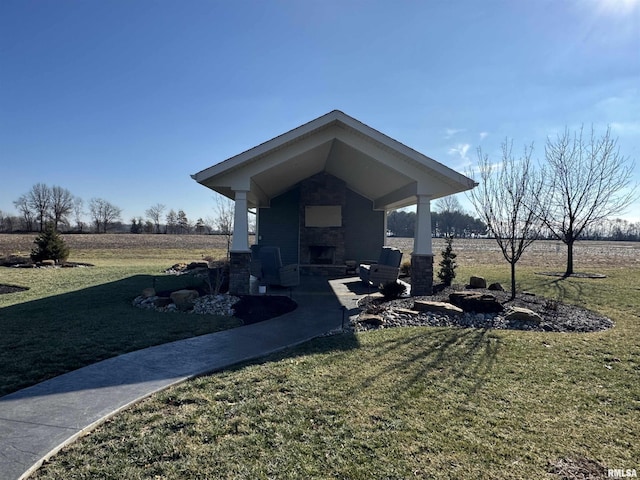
(476, 302)
(184, 299)
(441, 307)
(149, 292)
(161, 302)
(522, 314)
(47, 263)
(371, 319)
(477, 282)
(563, 318)
(496, 287)
(215, 305)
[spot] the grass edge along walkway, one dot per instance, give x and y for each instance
(40, 420)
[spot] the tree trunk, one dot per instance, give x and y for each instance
(569, 271)
(513, 280)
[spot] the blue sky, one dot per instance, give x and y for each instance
(123, 100)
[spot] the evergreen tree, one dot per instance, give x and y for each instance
(49, 246)
(448, 263)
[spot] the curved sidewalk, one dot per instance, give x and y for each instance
(38, 421)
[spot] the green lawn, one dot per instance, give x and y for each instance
(73, 317)
(399, 403)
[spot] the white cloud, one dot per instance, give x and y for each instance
(625, 128)
(450, 132)
(460, 151)
(483, 135)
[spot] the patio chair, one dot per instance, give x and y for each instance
(266, 265)
(386, 270)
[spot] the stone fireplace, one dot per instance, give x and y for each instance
(322, 227)
(321, 255)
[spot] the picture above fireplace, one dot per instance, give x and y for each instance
(323, 216)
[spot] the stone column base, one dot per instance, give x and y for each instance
(421, 275)
(239, 273)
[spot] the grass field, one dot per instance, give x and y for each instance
(399, 403)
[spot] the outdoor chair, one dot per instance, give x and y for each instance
(266, 265)
(386, 270)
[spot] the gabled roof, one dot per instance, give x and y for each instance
(372, 164)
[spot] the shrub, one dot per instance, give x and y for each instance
(405, 268)
(448, 264)
(392, 290)
(49, 246)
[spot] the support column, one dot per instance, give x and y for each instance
(240, 255)
(422, 244)
(422, 257)
(240, 241)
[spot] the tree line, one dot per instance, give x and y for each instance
(43, 205)
(448, 220)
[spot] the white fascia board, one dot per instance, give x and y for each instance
(408, 152)
(267, 147)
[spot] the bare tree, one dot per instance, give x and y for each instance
(223, 222)
(39, 198)
(503, 200)
(22, 204)
(61, 205)
(78, 206)
(155, 214)
(449, 208)
(449, 203)
(103, 213)
(586, 182)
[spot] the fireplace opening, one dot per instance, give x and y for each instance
(321, 255)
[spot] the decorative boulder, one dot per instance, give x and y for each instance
(476, 302)
(438, 307)
(184, 299)
(477, 282)
(48, 263)
(496, 287)
(371, 319)
(523, 315)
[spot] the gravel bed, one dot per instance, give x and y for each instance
(556, 316)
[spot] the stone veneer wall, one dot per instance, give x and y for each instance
(421, 275)
(239, 276)
(322, 189)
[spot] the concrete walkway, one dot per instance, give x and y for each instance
(38, 421)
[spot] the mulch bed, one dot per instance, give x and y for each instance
(253, 309)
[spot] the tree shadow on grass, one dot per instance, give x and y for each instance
(48, 337)
(562, 289)
(53, 335)
(459, 359)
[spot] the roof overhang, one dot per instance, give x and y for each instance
(372, 164)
